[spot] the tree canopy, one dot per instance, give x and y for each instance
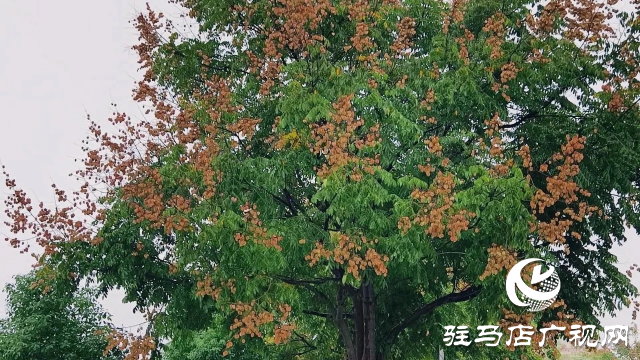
(52, 325)
(341, 179)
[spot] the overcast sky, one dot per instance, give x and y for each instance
(59, 61)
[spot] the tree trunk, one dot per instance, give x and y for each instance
(359, 322)
(365, 346)
(369, 322)
(339, 319)
(364, 309)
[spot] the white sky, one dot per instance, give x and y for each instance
(60, 59)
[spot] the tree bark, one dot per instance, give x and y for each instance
(364, 319)
(359, 317)
(369, 322)
(339, 319)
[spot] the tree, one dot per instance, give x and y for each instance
(344, 178)
(631, 351)
(52, 324)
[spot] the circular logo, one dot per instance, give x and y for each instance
(534, 300)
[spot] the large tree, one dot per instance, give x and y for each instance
(46, 323)
(343, 178)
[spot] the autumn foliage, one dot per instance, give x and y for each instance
(339, 179)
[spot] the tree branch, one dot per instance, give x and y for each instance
(307, 348)
(464, 295)
(325, 315)
(307, 284)
(313, 281)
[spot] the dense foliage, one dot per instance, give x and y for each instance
(340, 179)
(52, 325)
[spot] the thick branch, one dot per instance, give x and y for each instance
(325, 315)
(464, 295)
(288, 204)
(313, 281)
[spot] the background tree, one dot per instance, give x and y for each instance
(358, 174)
(632, 350)
(49, 323)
